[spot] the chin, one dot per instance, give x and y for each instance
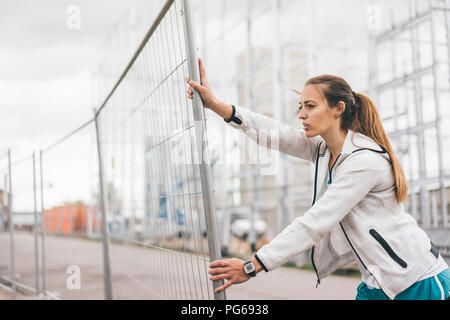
(310, 134)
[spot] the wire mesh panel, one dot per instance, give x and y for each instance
(411, 96)
(73, 263)
(25, 222)
(152, 172)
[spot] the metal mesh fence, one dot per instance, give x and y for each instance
(138, 174)
(150, 139)
(74, 265)
(25, 222)
(19, 225)
(7, 259)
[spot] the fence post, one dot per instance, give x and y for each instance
(36, 245)
(44, 269)
(202, 147)
(11, 230)
(105, 237)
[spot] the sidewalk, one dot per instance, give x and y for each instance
(135, 276)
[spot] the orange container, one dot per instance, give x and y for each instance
(71, 219)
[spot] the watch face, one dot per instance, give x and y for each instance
(249, 267)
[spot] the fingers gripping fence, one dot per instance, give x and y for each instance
(154, 167)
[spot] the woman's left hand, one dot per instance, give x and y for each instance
(231, 270)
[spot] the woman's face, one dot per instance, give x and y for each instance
(317, 117)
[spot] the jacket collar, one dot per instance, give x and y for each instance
(359, 141)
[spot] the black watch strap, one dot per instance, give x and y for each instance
(261, 263)
(233, 117)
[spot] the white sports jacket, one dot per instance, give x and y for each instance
(355, 215)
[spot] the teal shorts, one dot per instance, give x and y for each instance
(427, 289)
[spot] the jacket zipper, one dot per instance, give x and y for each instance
(388, 248)
(314, 201)
(330, 181)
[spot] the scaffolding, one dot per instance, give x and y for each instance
(410, 78)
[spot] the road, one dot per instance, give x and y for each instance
(145, 273)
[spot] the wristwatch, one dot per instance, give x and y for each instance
(249, 269)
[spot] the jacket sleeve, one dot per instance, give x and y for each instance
(267, 132)
(357, 176)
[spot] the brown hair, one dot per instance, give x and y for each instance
(361, 115)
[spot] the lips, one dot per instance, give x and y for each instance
(306, 126)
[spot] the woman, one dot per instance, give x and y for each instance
(357, 213)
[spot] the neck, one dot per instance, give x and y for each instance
(335, 141)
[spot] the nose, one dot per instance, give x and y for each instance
(302, 114)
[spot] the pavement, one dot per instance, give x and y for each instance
(75, 272)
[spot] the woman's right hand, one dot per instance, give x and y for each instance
(209, 100)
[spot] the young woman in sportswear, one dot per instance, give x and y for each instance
(359, 191)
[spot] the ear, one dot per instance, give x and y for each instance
(340, 109)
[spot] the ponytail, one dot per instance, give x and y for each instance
(368, 122)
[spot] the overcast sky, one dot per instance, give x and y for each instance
(46, 68)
